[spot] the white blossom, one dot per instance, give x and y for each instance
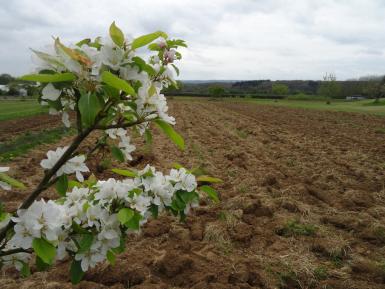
(49, 92)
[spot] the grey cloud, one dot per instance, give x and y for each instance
(228, 39)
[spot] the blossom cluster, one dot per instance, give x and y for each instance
(74, 165)
(102, 213)
(88, 60)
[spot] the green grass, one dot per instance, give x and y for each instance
(11, 109)
(295, 228)
(23, 143)
(362, 106)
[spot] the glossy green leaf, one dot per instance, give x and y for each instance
(58, 77)
(117, 153)
(44, 249)
(211, 193)
(146, 39)
(76, 272)
(116, 35)
(62, 185)
(171, 133)
(89, 107)
(133, 223)
(125, 215)
(11, 181)
(84, 41)
(85, 243)
(25, 270)
(126, 173)
(207, 179)
(111, 257)
(40, 265)
(118, 83)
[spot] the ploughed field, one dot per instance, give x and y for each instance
(302, 203)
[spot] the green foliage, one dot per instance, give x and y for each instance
(11, 181)
(126, 173)
(125, 215)
(116, 35)
(280, 89)
(85, 243)
(295, 228)
(117, 153)
(118, 83)
(57, 77)
(76, 272)
(62, 185)
(146, 39)
(44, 249)
(216, 91)
(171, 133)
(211, 193)
(89, 107)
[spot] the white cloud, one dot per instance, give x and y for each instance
(228, 39)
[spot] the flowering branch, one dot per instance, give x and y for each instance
(111, 89)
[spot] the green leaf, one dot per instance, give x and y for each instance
(44, 249)
(146, 39)
(125, 215)
(116, 35)
(117, 153)
(84, 41)
(207, 179)
(177, 166)
(25, 271)
(121, 247)
(143, 65)
(118, 83)
(89, 107)
(171, 133)
(154, 209)
(72, 184)
(148, 136)
(176, 69)
(111, 257)
(154, 47)
(211, 193)
(11, 181)
(57, 77)
(126, 173)
(133, 223)
(40, 265)
(62, 185)
(76, 272)
(187, 197)
(85, 243)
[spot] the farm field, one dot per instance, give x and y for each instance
(13, 109)
(302, 201)
(362, 106)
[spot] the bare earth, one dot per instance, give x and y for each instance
(323, 169)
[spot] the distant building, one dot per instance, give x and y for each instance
(4, 87)
(23, 92)
(355, 97)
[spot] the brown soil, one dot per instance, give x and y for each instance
(11, 128)
(325, 170)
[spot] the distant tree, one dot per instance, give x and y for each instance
(329, 86)
(375, 89)
(279, 89)
(216, 91)
(5, 78)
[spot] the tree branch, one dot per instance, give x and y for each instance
(14, 251)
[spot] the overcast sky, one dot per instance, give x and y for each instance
(228, 39)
